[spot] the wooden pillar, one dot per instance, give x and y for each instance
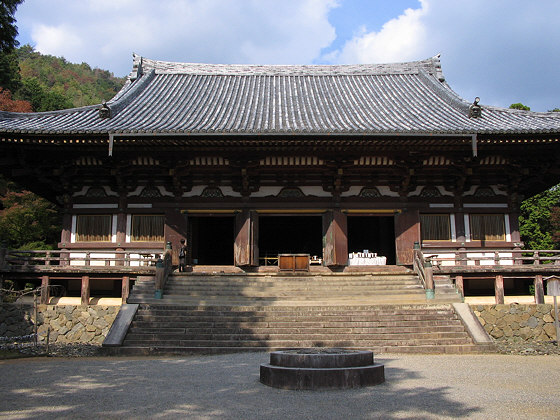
(407, 232)
(121, 237)
(175, 230)
(245, 248)
(44, 290)
(459, 284)
(65, 238)
(539, 289)
(125, 289)
(499, 289)
(85, 290)
(335, 238)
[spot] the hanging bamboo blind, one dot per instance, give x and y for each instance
(94, 228)
(147, 228)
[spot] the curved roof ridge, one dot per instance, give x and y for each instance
(431, 65)
(446, 93)
(128, 93)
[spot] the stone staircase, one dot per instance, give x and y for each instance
(393, 286)
(211, 313)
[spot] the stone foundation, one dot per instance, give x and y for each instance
(517, 322)
(67, 323)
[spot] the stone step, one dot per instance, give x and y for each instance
(296, 315)
(325, 316)
(321, 341)
(453, 324)
(183, 350)
(385, 310)
(273, 334)
(177, 328)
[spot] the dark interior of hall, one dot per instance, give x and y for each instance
(374, 233)
(290, 235)
(212, 239)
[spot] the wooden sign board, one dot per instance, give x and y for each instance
(553, 287)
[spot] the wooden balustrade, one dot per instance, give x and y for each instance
(494, 257)
(77, 258)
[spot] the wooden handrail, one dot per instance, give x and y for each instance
(495, 257)
(76, 258)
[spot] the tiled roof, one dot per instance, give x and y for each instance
(401, 98)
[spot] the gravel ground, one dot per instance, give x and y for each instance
(491, 386)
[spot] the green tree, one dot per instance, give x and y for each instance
(535, 220)
(520, 106)
(27, 221)
(8, 28)
(42, 98)
(554, 110)
(9, 71)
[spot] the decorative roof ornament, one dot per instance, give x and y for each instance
(137, 69)
(104, 111)
(475, 110)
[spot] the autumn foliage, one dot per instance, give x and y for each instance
(27, 221)
(9, 104)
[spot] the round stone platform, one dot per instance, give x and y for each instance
(321, 369)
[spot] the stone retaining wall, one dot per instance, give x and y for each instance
(517, 322)
(67, 323)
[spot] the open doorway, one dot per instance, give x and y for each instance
(374, 233)
(290, 235)
(212, 239)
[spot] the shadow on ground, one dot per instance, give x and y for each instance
(204, 387)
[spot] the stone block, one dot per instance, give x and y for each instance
(525, 333)
(489, 318)
(545, 308)
(53, 336)
(525, 316)
(100, 323)
(90, 328)
(550, 330)
(86, 337)
(532, 322)
(497, 333)
(548, 318)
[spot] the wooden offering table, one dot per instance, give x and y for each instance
(293, 262)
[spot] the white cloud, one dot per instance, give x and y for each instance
(399, 39)
(244, 31)
(504, 51)
(59, 40)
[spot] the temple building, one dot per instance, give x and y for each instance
(344, 163)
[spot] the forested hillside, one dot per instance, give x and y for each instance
(48, 83)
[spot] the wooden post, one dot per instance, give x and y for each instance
(85, 290)
(125, 290)
(430, 287)
(459, 284)
(499, 289)
(44, 300)
(245, 247)
(539, 289)
(335, 238)
(407, 231)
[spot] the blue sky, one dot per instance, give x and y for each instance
(503, 51)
